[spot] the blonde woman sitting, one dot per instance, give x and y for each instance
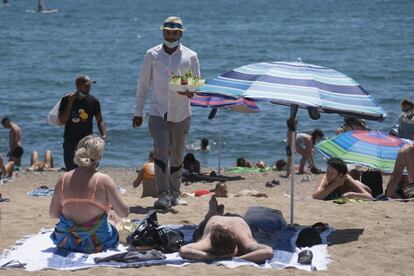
(81, 201)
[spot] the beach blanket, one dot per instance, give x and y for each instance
(248, 170)
(41, 191)
(37, 252)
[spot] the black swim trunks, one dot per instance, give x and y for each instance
(17, 152)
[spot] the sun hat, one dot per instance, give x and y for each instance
(84, 79)
(173, 23)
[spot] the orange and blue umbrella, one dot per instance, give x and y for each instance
(371, 149)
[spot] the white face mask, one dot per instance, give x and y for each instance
(171, 44)
(82, 95)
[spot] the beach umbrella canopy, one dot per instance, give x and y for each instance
(371, 149)
(298, 85)
(240, 105)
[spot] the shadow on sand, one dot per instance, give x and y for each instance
(341, 236)
(143, 210)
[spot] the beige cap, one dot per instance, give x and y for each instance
(173, 23)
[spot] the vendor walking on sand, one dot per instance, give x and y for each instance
(170, 111)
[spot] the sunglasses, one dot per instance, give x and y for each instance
(173, 25)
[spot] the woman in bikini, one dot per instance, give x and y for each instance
(304, 144)
(81, 201)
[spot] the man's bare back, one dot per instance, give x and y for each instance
(238, 233)
(237, 226)
(15, 136)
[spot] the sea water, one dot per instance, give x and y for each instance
(42, 53)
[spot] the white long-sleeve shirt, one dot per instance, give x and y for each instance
(155, 75)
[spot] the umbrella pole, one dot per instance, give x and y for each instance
(292, 132)
(219, 143)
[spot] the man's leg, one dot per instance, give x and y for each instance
(160, 135)
(178, 135)
(69, 149)
(213, 210)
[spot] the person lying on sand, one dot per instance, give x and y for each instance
(82, 199)
(222, 236)
(405, 160)
(338, 183)
(221, 191)
(37, 165)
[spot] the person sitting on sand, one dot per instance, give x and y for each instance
(147, 171)
(338, 183)
(242, 162)
(406, 120)
(351, 123)
(405, 160)
(2, 167)
(221, 191)
(280, 165)
(146, 175)
(304, 146)
(82, 199)
(37, 165)
(191, 164)
(221, 236)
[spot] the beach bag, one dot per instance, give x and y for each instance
(53, 115)
(146, 232)
(406, 190)
(373, 179)
(169, 240)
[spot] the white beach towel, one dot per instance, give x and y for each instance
(37, 252)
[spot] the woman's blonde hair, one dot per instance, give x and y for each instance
(89, 151)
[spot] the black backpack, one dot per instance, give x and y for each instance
(149, 233)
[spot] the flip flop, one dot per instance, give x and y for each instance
(2, 199)
(273, 183)
(305, 257)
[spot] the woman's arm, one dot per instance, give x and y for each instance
(114, 197)
(55, 208)
(356, 189)
(258, 253)
(323, 189)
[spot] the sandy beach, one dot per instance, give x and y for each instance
(371, 238)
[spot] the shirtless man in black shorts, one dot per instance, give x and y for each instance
(15, 145)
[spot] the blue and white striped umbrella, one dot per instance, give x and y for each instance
(297, 83)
